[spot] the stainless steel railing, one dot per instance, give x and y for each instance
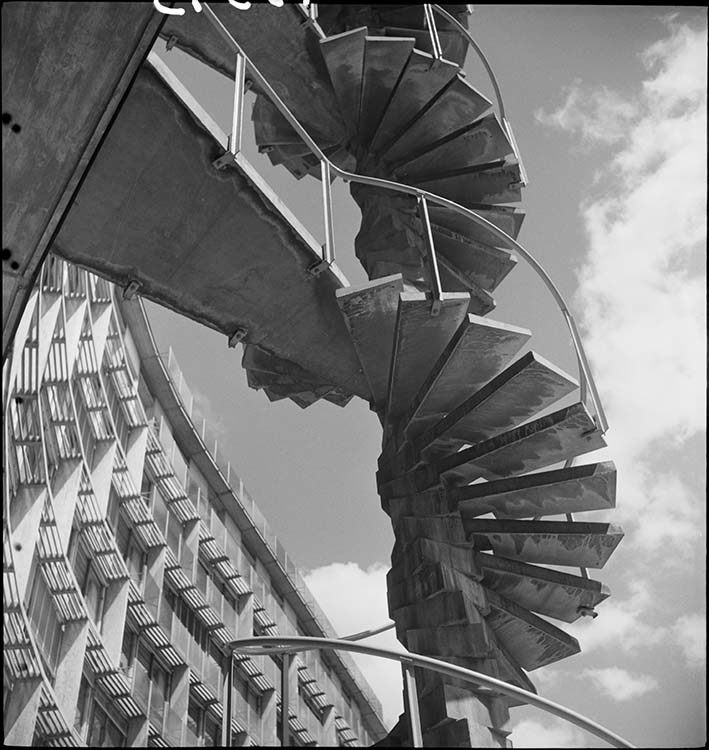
(587, 386)
(286, 645)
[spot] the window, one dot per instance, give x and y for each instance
(48, 630)
(104, 732)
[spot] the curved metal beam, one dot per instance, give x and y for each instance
(260, 645)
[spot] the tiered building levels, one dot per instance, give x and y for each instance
(133, 554)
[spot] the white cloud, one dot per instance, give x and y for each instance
(641, 291)
(622, 622)
(554, 733)
(620, 684)
(690, 634)
(354, 600)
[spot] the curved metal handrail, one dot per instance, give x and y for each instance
(585, 376)
(265, 645)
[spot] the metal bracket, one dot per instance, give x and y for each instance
(587, 611)
(226, 159)
(131, 289)
(170, 43)
(238, 335)
(318, 267)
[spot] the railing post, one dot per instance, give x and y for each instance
(329, 246)
(238, 113)
(436, 290)
(227, 701)
(285, 698)
(412, 705)
(433, 31)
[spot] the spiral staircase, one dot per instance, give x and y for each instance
(469, 472)
(468, 432)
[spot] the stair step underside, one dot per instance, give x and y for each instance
(384, 61)
(548, 440)
(418, 342)
(418, 84)
(548, 592)
(453, 279)
(575, 489)
(453, 47)
(458, 106)
(507, 218)
(483, 264)
(522, 390)
(344, 57)
(567, 543)
(370, 315)
(499, 184)
(475, 354)
(530, 640)
(477, 143)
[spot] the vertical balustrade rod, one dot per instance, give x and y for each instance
(285, 699)
(412, 705)
(436, 289)
(433, 32)
(238, 114)
(227, 701)
(329, 246)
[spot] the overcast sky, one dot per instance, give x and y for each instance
(609, 110)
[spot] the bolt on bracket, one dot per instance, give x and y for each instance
(238, 335)
(318, 267)
(224, 160)
(131, 289)
(170, 43)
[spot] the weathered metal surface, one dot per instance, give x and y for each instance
(453, 279)
(495, 185)
(453, 47)
(64, 72)
(418, 342)
(369, 311)
(478, 350)
(549, 592)
(210, 244)
(284, 50)
(481, 143)
(344, 58)
(384, 59)
(522, 390)
(507, 218)
(449, 640)
(458, 108)
(571, 490)
(272, 129)
(483, 264)
(555, 437)
(532, 641)
(579, 544)
(418, 84)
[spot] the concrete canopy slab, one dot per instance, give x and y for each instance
(64, 73)
(572, 490)
(543, 590)
(555, 437)
(577, 544)
(215, 245)
(524, 389)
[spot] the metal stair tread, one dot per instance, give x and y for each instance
(554, 437)
(549, 592)
(530, 640)
(384, 60)
(566, 543)
(455, 280)
(419, 340)
(418, 84)
(573, 489)
(461, 361)
(507, 218)
(370, 315)
(498, 184)
(457, 106)
(523, 389)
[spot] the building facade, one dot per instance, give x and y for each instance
(133, 554)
